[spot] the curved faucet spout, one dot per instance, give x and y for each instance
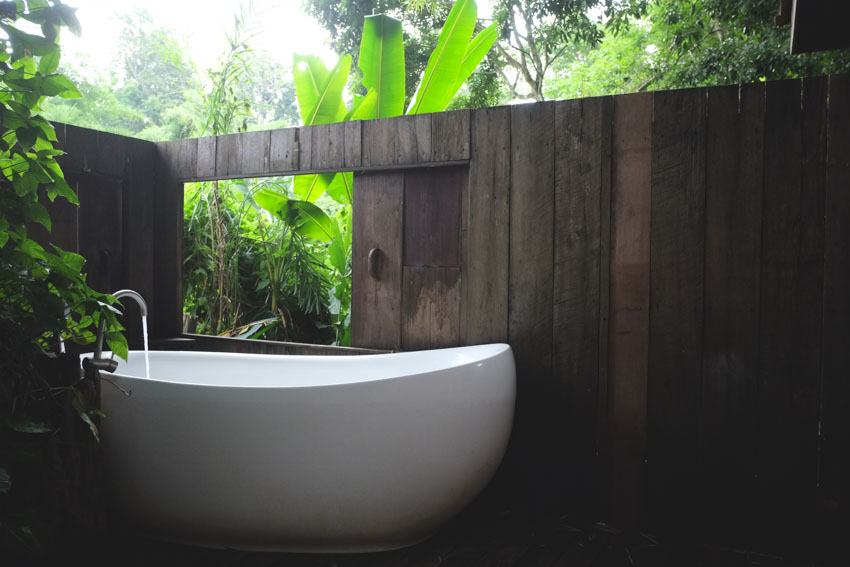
(143, 309)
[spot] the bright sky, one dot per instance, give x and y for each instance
(200, 25)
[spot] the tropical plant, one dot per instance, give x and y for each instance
(45, 302)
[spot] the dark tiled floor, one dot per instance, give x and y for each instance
(472, 540)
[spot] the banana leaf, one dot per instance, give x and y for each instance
(382, 63)
(318, 90)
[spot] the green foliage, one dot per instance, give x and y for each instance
(44, 297)
(676, 44)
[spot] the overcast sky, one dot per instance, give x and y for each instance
(200, 25)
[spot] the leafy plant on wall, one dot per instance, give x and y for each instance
(320, 93)
(44, 297)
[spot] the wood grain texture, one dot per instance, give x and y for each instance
(205, 166)
(582, 146)
(450, 135)
(432, 202)
(430, 310)
(376, 303)
(380, 139)
(328, 147)
(835, 419)
(532, 204)
(789, 361)
(353, 144)
(283, 150)
(81, 147)
(628, 339)
(101, 213)
(484, 309)
(414, 139)
(138, 261)
(677, 268)
(734, 172)
(111, 157)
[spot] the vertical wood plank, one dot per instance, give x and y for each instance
(353, 150)
(283, 150)
(255, 154)
(414, 139)
(380, 138)
(734, 165)
(228, 155)
(100, 219)
(791, 288)
(531, 279)
(205, 168)
(580, 159)
(305, 148)
(430, 307)
(376, 303)
(328, 147)
(835, 418)
(628, 339)
(450, 135)
(111, 156)
(677, 268)
(432, 216)
(484, 308)
(80, 145)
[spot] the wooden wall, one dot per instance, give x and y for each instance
(670, 268)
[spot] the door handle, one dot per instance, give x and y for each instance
(372, 263)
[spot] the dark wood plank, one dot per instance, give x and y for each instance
(100, 219)
(205, 166)
(283, 154)
(228, 155)
(305, 148)
(380, 138)
(532, 204)
(376, 303)
(430, 309)
(628, 339)
(328, 148)
(138, 231)
(63, 223)
(255, 154)
(677, 268)
(835, 419)
(581, 157)
(484, 309)
(111, 157)
(791, 296)
(450, 135)
(80, 145)
(414, 139)
(353, 144)
(432, 216)
(734, 165)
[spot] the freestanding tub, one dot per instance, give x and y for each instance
(304, 453)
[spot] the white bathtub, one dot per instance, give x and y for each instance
(304, 453)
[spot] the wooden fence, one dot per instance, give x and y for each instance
(670, 268)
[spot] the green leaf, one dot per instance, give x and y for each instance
(59, 85)
(311, 187)
(309, 220)
(475, 53)
(340, 189)
(435, 89)
(49, 62)
(117, 344)
(273, 201)
(382, 63)
(336, 250)
(319, 91)
(39, 214)
(29, 425)
(364, 107)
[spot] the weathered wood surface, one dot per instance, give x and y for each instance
(484, 308)
(376, 303)
(835, 420)
(791, 315)
(628, 337)
(432, 203)
(677, 261)
(582, 198)
(532, 204)
(734, 157)
(430, 309)
(100, 241)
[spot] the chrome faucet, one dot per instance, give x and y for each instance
(109, 364)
